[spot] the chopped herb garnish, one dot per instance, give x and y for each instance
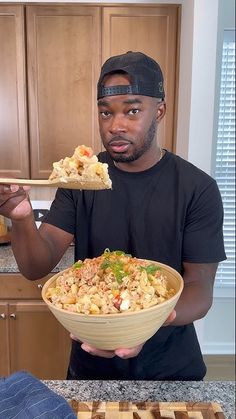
(106, 264)
(150, 269)
(77, 265)
(119, 252)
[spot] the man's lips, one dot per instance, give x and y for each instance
(119, 146)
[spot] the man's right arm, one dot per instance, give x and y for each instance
(36, 251)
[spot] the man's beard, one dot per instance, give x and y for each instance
(148, 140)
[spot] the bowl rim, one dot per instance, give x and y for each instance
(114, 315)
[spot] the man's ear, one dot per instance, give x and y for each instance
(161, 111)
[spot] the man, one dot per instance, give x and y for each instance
(160, 208)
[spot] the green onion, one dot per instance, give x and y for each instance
(150, 269)
(119, 252)
(106, 264)
(77, 265)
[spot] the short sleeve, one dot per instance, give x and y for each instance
(62, 213)
(203, 233)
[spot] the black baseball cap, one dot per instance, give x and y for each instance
(145, 75)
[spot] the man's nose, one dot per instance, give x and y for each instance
(118, 124)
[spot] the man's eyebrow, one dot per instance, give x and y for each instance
(132, 101)
(126, 101)
(103, 103)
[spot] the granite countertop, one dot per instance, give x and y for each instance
(8, 262)
(221, 392)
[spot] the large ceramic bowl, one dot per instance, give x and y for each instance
(121, 330)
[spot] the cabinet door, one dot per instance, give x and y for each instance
(64, 44)
(14, 159)
(154, 31)
(4, 340)
(38, 342)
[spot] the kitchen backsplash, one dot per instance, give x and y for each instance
(41, 199)
(42, 193)
(40, 208)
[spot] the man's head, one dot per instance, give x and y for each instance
(145, 75)
(131, 103)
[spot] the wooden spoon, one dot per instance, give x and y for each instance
(68, 184)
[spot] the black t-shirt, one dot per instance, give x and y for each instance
(171, 213)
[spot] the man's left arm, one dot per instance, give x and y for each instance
(196, 298)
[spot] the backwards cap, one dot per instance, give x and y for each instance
(145, 75)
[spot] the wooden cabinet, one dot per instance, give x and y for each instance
(31, 338)
(58, 50)
(64, 53)
(153, 30)
(4, 339)
(14, 150)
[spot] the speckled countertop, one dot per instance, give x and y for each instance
(8, 262)
(221, 392)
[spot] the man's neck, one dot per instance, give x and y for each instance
(144, 162)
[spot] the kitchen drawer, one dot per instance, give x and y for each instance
(15, 286)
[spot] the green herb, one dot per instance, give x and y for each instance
(119, 252)
(77, 265)
(107, 252)
(115, 265)
(150, 269)
(119, 276)
(117, 269)
(106, 264)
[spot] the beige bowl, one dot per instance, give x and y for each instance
(122, 330)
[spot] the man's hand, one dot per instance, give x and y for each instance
(123, 353)
(14, 202)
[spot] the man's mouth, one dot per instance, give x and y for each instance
(119, 146)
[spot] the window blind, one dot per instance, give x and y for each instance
(225, 156)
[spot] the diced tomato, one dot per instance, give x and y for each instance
(86, 151)
(117, 302)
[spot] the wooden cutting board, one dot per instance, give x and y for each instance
(146, 410)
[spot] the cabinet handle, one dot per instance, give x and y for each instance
(40, 286)
(2, 316)
(12, 316)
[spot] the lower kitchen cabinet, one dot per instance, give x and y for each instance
(4, 341)
(31, 339)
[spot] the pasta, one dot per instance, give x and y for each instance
(111, 283)
(83, 166)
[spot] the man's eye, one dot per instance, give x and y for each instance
(105, 114)
(133, 111)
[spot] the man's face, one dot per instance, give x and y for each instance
(127, 122)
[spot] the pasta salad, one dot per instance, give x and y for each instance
(114, 282)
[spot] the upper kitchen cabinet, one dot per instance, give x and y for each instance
(63, 62)
(14, 159)
(50, 59)
(155, 31)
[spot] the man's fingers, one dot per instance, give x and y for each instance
(97, 352)
(9, 188)
(129, 353)
(94, 351)
(170, 318)
(122, 352)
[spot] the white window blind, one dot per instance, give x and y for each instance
(225, 156)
